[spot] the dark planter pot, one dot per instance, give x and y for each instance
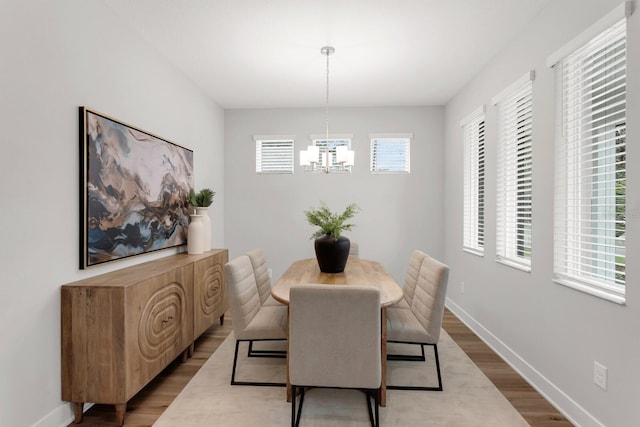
(332, 253)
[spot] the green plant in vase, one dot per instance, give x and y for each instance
(201, 199)
(332, 248)
(201, 202)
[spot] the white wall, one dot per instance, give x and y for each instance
(551, 333)
(57, 56)
(399, 212)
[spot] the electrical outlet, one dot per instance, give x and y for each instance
(600, 375)
(462, 287)
(270, 272)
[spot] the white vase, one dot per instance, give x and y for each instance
(207, 226)
(195, 235)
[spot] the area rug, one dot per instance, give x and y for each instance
(468, 398)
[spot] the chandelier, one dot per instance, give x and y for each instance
(312, 159)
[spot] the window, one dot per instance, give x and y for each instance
(334, 141)
(513, 210)
(274, 154)
(473, 140)
(390, 153)
(590, 186)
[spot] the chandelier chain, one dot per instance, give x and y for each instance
(328, 52)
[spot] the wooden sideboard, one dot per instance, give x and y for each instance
(121, 329)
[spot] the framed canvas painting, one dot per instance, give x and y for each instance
(134, 190)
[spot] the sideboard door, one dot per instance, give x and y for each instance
(159, 324)
(210, 300)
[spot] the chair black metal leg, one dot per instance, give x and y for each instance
(437, 360)
(235, 361)
(409, 357)
(293, 406)
(374, 412)
(265, 353)
(300, 405)
(435, 352)
(370, 394)
(376, 401)
(233, 372)
(369, 409)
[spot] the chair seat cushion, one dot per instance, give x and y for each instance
(270, 301)
(403, 326)
(270, 322)
(402, 304)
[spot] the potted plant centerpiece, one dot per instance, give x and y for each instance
(332, 249)
(201, 202)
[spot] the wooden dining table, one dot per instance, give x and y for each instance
(357, 272)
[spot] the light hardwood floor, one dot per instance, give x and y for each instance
(150, 402)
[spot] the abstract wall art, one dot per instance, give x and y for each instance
(134, 190)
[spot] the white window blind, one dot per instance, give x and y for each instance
(390, 154)
(274, 155)
(590, 187)
(473, 140)
(513, 228)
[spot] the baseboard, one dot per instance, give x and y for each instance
(575, 413)
(61, 416)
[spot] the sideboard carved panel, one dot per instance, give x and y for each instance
(161, 321)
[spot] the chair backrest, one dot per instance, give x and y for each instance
(261, 273)
(354, 249)
(334, 336)
(413, 271)
(429, 297)
(242, 291)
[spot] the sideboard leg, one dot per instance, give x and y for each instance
(121, 408)
(77, 412)
(192, 349)
(222, 319)
(185, 355)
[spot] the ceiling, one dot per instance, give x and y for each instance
(266, 53)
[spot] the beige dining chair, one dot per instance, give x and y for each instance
(408, 290)
(421, 322)
(354, 249)
(334, 342)
(251, 320)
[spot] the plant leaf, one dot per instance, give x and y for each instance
(330, 222)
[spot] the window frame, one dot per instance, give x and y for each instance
(514, 203)
(474, 181)
(582, 253)
(262, 141)
(388, 140)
